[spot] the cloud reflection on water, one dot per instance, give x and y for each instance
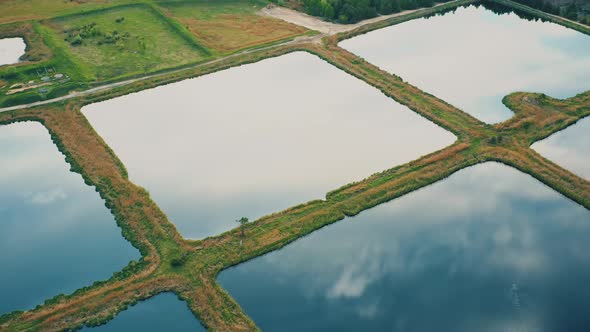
(55, 233)
(473, 57)
(569, 148)
(422, 263)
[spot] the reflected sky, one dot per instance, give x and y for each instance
(569, 148)
(257, 139)
(11, 49)
(164, 312)
(473, 58)
(488, 249)
(56, 235)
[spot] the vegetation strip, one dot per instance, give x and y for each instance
(190, 268)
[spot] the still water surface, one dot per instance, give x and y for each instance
(569, 148)
(164, 312)
(257, 139)
(11, 49)
(56, 235)
(488, 249)
(473, 57)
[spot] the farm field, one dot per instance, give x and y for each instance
(122, 41)
(176, 165)
(115, 40)
(230, 25)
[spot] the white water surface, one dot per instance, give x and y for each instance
(11, 49)
(256, 139)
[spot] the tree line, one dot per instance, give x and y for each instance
(351, 11)
(572, 11)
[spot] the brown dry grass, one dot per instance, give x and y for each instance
(230, 33)
(230, 25)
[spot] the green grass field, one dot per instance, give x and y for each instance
(123, 41)
(229, 25)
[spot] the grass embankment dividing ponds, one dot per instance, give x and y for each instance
(190, 268)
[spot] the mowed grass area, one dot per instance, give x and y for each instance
(230, 25)
(122, 41)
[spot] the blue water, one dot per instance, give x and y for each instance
(570, 148)
(488, 249)
(164, 312)
(56, 235)
(473, 57)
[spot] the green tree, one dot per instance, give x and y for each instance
(243, 221)
(571, 11)
(395, 6)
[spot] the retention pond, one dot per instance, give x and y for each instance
(56, 235)
(488, 249)
(472, 57)
(164, 312)
(570, 148)
(256, 139)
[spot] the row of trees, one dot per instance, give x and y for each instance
(542, 5)
(351, 11)
(571, 11)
